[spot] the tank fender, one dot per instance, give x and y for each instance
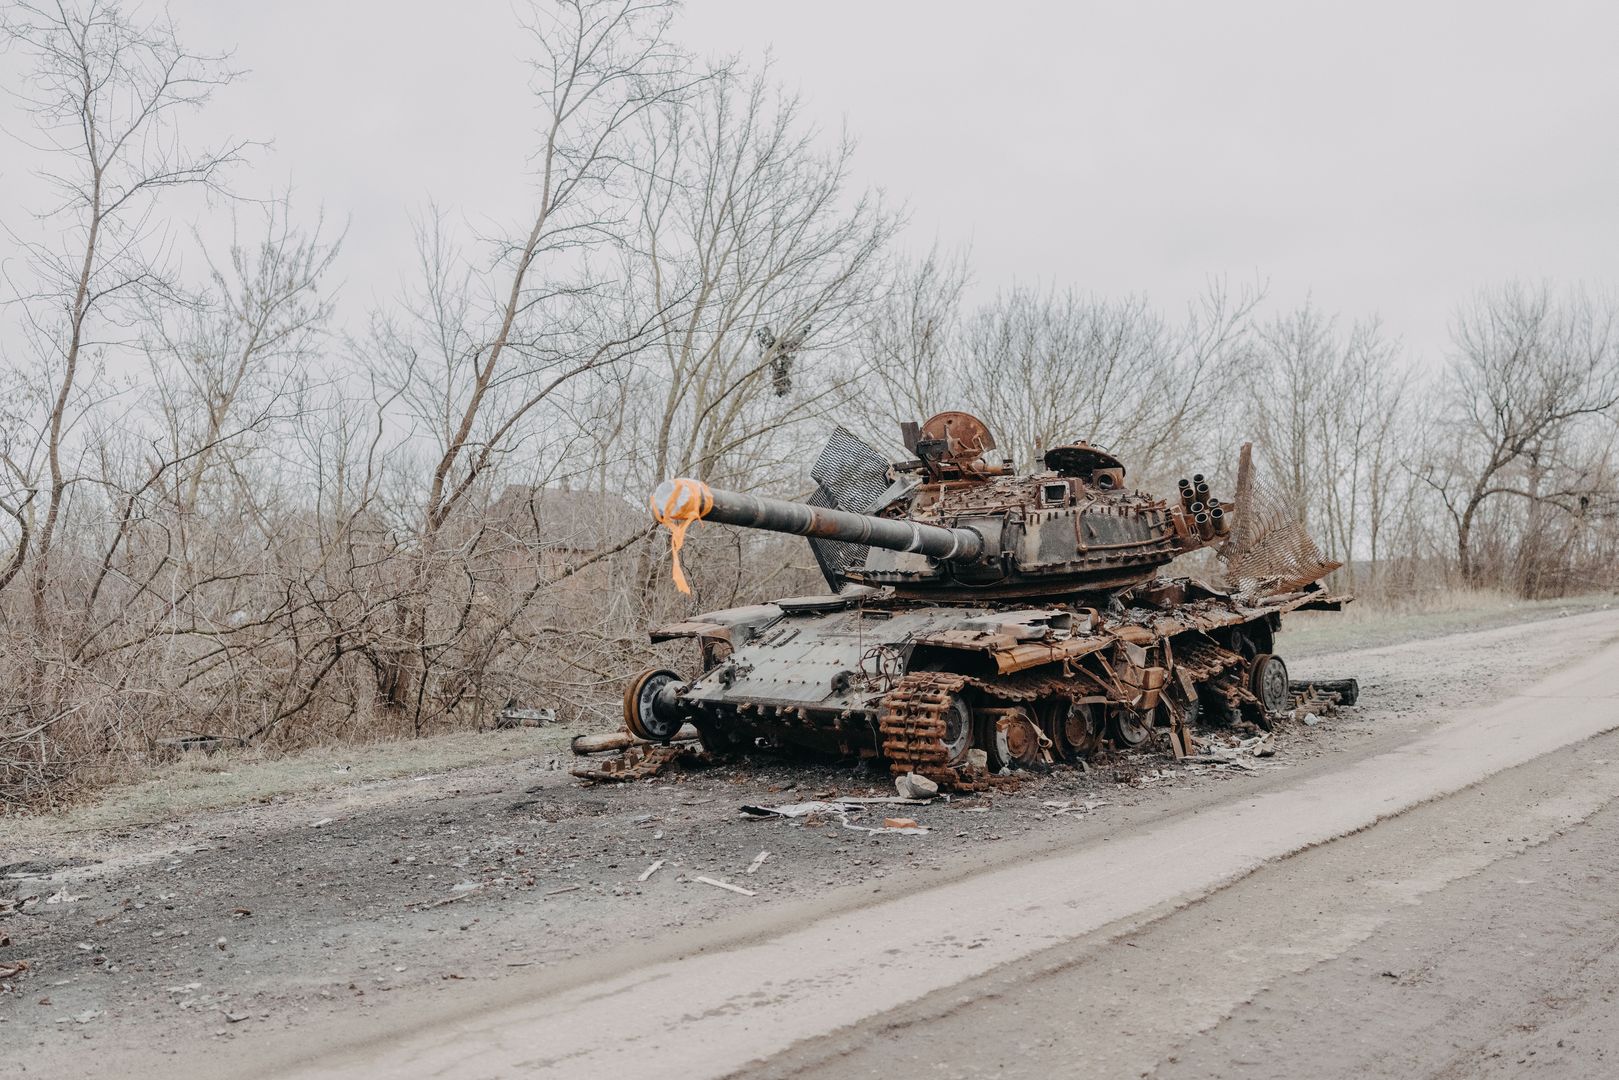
(735, 625)
(1002, 630)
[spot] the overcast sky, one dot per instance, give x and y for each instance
(1386, 157)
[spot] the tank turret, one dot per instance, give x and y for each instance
(947, 525)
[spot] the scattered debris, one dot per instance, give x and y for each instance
(61, 896)
(565, 888)
(208, 744)
(725, 885)
(1059, 807)
(649, 871)
(321, 823)
(622, 740)
(13, 969)
(1311, 706)
(915, 786)
(462, 894)
(758, 861)
(640, 762)
(1342, 691)
(843, 811)
(15, 904)
(796, 810)
(1236, 753)
(513, 717)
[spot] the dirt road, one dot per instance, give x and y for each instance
(1017, 935)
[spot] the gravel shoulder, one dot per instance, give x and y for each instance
(238, 923)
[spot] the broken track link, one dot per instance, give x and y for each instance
(639, 762)
(911, 721)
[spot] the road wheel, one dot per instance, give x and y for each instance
(1128, 727)
(1075, 729)
(958, 730)
(1012, 738)
(1268, 681)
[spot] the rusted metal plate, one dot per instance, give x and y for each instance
(1037, 590)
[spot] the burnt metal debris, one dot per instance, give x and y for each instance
(981, 614)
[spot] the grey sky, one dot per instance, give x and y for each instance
(1384, 156)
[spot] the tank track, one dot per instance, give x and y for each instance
(911, 721)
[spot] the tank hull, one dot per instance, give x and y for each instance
(921, 685)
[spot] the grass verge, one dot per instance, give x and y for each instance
(228, 779)
(1364, 625)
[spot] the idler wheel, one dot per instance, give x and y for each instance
(1128, 727)
(1014, 739)
(1268, 681)
(641, 716)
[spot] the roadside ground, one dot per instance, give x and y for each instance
(204, 919)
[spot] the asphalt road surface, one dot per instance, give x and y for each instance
(1442, 907)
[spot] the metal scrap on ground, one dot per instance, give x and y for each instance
(842, 811)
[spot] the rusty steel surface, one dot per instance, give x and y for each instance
(638, 762)
(913, 725)
(974, 611)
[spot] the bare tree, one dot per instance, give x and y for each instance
(1045, 367)
(1530, 369)
(1326, 408)
(242, 346)
(757, 259)
(910, 341)
(488, 354)
(109, 94)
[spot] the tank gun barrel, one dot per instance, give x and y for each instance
(690, 500)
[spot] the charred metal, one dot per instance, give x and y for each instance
(984, 620)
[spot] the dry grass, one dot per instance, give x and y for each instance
(229, 779)
(1368, 624)
(198, 783)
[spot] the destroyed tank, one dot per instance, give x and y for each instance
(977, 610)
